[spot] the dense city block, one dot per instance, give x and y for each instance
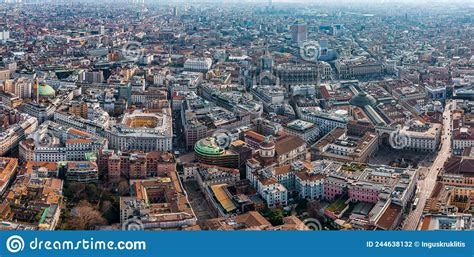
(151, 115)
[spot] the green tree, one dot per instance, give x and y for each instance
(274, 216)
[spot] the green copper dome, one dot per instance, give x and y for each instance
(363, 99)
(46, 90)
(208, 146)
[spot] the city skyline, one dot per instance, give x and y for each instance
(237, 115)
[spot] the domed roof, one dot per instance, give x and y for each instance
(46, 90)
(267, 143)
(208, 146)
(362, 99)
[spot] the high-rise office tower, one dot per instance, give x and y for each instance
(4, 35)
(299, 32)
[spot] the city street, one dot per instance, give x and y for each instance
(198, 202)
(232, 115)
(427, 184)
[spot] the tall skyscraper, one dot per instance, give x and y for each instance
(299, 32)
(4, 35)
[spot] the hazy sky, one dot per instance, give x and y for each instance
(468, 3)
(324, 1)
(330, 1)
(362, 1)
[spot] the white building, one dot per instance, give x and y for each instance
(268, 94)
(274, 193)
(52, 142)
(41, 111)
(326, 120)
(198, 64)
(143, 131)
(424, 137)
(11, 135)
(359, 66)
(462, 138)
(4, 35)
(310, 185)
(308, 131)
(325, 70)
(96, 123)
(21, 87)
